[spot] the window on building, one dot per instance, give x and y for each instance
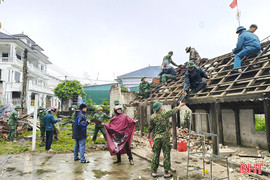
(260, 122)
(42, 67)
(16, 94)
(0, 74)
(17, 77)
(19, 57)
(4, 54)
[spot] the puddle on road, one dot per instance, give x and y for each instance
(9, 169)
(99, 174)
(42, 171)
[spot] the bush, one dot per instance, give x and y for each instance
(186, 119)
(260, 123)
(124, 89)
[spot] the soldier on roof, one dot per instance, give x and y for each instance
(248, 45)
(169, 58)
(193, 79)
(168, 72)
(193, 55)
(144, 88)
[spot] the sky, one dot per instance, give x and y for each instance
(107, 38)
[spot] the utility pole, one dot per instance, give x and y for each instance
(24, 83)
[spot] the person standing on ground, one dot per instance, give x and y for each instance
(100, 116)
(49, 122)
(55, 114)
(116, 103)
(12, 123)
(41, 113)
(160, 124)
(80, 133)
(169, 58)
(119, 134)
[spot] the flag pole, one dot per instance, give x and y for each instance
(238, 14)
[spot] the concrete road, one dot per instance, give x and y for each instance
(61, 166)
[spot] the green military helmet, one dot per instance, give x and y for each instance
(170, 52)
(116, 102)
(142, 77)
(18, 107)
(74, 106)
(40, 108)
(156, 106)
(190, 64)
(188, 49)
(99, 109)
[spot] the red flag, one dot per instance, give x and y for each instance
(233, 4)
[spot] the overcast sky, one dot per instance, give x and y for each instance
(114, 37)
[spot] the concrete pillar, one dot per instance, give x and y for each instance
(44, 100)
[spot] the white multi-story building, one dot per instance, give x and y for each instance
(11, 63)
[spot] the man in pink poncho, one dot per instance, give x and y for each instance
(119, 134)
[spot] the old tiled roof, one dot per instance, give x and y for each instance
(252, 84)
(149, 71)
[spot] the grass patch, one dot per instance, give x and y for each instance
(64, 144)
(260, 123)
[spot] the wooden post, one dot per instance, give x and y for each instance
(213, 119)
(35, 123)
(208, 122)
(237, 126)
(193, 121)
(142, 120)
(266, 105)
(178, 119)
(174, 131)
(220, 125)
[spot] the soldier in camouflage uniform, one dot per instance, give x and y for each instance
(193, 55)
(159, 123)
(144, 88)
(169, 58)
(98, 127)
(41, 113)
(12, 123)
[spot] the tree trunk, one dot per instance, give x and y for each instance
(24, 83)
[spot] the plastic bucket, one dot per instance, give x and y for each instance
(182, 146)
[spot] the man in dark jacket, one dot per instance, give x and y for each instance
(248, 45)
(49, 122)
(168, 72)
(80, 130)
(193, 79)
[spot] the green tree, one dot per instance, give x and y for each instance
(69, 89)
(105, 105)
(91, 106)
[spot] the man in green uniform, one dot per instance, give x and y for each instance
(144, 88)
(169, 58)
(41, 113)
(12, 123)
(101, 116)
(159, 123)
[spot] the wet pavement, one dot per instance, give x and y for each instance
(61, 166)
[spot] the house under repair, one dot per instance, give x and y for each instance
(232, 100)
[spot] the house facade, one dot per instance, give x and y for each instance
(133, 79)
(11, 65)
